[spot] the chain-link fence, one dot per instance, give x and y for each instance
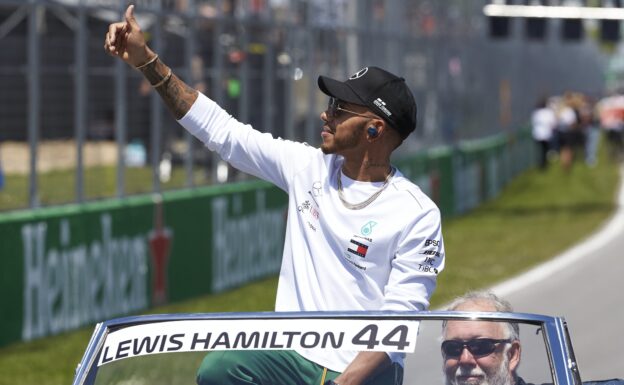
(88, 124)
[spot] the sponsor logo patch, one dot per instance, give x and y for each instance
(382, 106)
(358, 248)
(367, 229)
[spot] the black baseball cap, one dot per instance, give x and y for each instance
(385, 94)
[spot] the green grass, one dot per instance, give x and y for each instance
(537, 216)
(58, 187)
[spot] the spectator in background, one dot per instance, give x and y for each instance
(567, 124)
(544, 123)
(481, 352)
(578, 136)
(611, 115)
(589, 115)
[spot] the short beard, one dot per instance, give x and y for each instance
(341, 144)
(500, 377)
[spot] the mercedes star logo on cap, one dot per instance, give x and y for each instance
(359, 74)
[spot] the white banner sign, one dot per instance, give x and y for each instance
(260, 334)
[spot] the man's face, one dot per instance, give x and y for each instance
(344, 131)
(480, 368)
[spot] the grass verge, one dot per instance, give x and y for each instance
(537, 216)
(58, 187)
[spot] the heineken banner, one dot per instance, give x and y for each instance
(66, 267)
(69, 266)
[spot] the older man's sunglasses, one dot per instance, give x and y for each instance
(478, 347)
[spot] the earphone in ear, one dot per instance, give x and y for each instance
(372, 131)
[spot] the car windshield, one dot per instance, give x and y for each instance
(434, 350)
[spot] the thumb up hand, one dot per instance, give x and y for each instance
(125, 40)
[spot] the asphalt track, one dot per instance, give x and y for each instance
(585, 285)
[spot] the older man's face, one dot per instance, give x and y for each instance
(493, 365)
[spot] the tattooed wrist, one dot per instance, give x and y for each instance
(154, 72)
(177, 95)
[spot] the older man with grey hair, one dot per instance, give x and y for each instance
(481, 352)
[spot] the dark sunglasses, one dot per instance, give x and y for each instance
(334, 108)
(478, 347)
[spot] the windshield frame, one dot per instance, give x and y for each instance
(562, 362)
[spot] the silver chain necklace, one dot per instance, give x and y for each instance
(361, 205)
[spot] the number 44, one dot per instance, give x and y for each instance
(368, 337)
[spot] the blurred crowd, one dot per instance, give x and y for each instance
(568, 128)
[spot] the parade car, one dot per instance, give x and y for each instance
(168, 349)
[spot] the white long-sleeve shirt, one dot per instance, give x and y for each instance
(385, 256)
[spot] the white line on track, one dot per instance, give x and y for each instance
(608, 232)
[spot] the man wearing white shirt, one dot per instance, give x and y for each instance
(543, 123)
(360, 236)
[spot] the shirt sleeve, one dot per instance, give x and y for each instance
(415, 267)
(420, 258)
(251, 151)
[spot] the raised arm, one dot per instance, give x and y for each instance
(126, 41)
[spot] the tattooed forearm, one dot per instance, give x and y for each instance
(177, 95)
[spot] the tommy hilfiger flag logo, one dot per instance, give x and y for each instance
(360, 249)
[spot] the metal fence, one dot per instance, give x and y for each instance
(260, 60)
